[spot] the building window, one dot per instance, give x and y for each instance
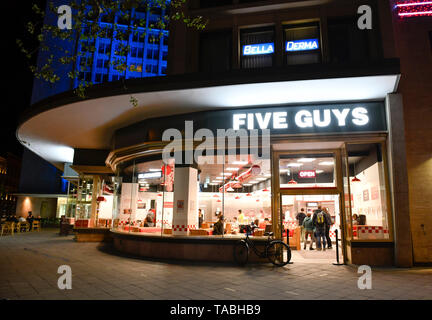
(257, 48)
(216, 51)
(347, 43)
(302, 44)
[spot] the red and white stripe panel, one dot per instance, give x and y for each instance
(290, 224)
(371, 232)
(180, 228)
(184, 227)
(165, 222)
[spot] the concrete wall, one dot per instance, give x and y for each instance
(33, 204)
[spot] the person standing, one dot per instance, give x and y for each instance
(320, 224)
(300, 217)
(241, 217)
(218, 227)
(200, 218)
(30, 219)
(329, 224)
(235, 225)
(308, 227)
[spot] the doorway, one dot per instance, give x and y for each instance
(297, 208)
(309, 180)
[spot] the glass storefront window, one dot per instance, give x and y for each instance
(369, 210)
(144, 198)
(144, 195)
(84, 201)
(307, 171)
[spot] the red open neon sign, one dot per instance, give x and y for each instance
(307, 174)
(415, 8)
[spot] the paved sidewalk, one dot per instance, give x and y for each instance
(29, 263)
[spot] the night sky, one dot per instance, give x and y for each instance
(19, 80)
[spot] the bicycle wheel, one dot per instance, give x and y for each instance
(279, 253)
(241, 252)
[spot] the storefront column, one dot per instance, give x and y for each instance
(399, 181)
(185, 212)
(94, 204)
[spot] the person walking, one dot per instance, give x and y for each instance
(329, 224)
(300, 217)
(320, 224)
(308, 227)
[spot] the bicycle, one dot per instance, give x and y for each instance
(278, 252)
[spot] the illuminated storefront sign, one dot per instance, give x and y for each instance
(417, 8)
(311, 119)
(258, 49)
(307, 174)
(302, 45)
(303, 118)
(150, 175)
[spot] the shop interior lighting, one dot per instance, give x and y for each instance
(225, 173)
(214, 183)
(306, 160)
(414, 8)
(326, 163)
(155, 170)
(319, 171)
(293, 164)
(247, 184)
(261, 179)
(240, 162)
(267, 175)
(283, 170)
(232, 169)
(219, 178)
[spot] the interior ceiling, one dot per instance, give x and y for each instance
(90, 124)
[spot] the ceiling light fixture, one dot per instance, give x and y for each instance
(293, 164)
(306, 160)
(326, 163)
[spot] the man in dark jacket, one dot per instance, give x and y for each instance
(218, 227)
(329, 224)
(300, 217)
(321, 224)
(30, 219)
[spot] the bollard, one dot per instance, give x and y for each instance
(288, 243)
(337, 249)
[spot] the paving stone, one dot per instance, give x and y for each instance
(28, 270)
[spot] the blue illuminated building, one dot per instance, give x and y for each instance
(147, 56)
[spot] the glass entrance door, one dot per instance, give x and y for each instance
(308, 180)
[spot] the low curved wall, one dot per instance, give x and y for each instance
(194, 248)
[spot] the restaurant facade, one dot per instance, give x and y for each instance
(273, 108)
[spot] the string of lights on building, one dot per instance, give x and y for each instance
(417, 8)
